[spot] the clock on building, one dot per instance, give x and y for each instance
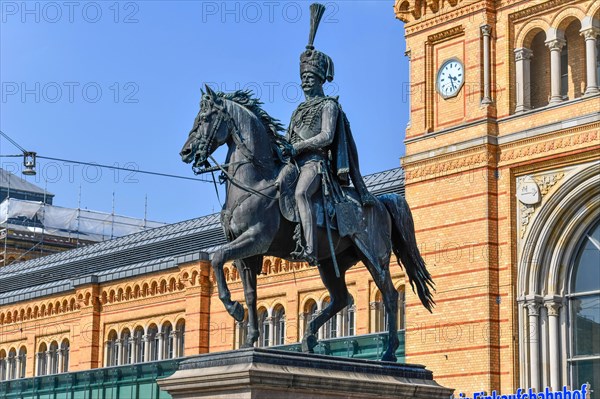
(450, 78)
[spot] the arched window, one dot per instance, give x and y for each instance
(379, 314)
(112, 351)
(64, 356)
(152, 340)
(22, 362)
(575, 63)
(3, 374)
(241, 331)
(584, 312)
(42, 368)
(330, 329)
(139, 345)
(311, 310)
(264, 327)
(279, 325)
(180, 334)
(127, 343)
(347, 320)
(12, 364)
(167, 337)
(540, 72)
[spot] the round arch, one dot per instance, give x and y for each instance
(566, 16)
(570, 211)
(526, 33)
(546, 256)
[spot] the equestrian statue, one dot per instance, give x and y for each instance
(290, 197)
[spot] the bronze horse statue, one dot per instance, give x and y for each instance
(255, 227)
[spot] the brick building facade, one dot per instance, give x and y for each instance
(502, 179)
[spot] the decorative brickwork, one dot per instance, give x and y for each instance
(466, 158)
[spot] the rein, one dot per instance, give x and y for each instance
(222, 115)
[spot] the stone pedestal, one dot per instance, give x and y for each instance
(266, 373)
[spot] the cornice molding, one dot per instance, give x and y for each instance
(560, 140)
(536, 9)
(425, 18)
(476, 157)
(446, 34)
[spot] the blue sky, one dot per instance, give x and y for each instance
(119, 83)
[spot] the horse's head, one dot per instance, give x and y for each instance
(209, 132)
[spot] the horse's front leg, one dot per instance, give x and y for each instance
(252, 242)
(233, 307)
(250, 269)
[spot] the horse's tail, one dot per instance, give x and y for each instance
(404, 245)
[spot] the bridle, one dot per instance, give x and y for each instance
(223, 116)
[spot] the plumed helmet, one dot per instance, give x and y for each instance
(312, 60)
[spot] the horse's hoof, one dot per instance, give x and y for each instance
(237, 311)
(389, 357)
(308, 343)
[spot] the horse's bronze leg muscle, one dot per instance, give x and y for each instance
(250, 267)
(339, 298)
(252, 242)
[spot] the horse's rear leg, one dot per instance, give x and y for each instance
(339, 299)
(381, 276)
(250, 269)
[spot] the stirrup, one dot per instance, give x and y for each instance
(303, 256)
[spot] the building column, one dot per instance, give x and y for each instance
(117, 349)
(523, 71)
(9, 373)
(553, 307)
(61, 360)
(49, 361)
(175, 336)
(408, 88)
(486, 32)
(533, 310)
(322, 329)
(555, 46)
(303, 319)
(40, 357)
(146, 340)
(161, 345)
(339, 324)
(271, 321)
(591, 35)
(106, 353)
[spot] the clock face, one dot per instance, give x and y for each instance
(450, 78)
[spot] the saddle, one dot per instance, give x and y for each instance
(345, 214)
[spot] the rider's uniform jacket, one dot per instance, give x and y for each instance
(313, 127)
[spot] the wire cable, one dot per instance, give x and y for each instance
(12, 141)
(126, 169)
(97, 164)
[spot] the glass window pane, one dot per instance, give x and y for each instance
(585, 313)
(586, 371)
(587, 268)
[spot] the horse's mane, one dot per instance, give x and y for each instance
(245, 99)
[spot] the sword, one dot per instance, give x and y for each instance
(324, 191)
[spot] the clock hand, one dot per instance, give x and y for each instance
(452, 78)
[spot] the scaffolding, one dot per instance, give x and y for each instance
(27, 219)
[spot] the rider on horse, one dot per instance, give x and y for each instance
(320, 134)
